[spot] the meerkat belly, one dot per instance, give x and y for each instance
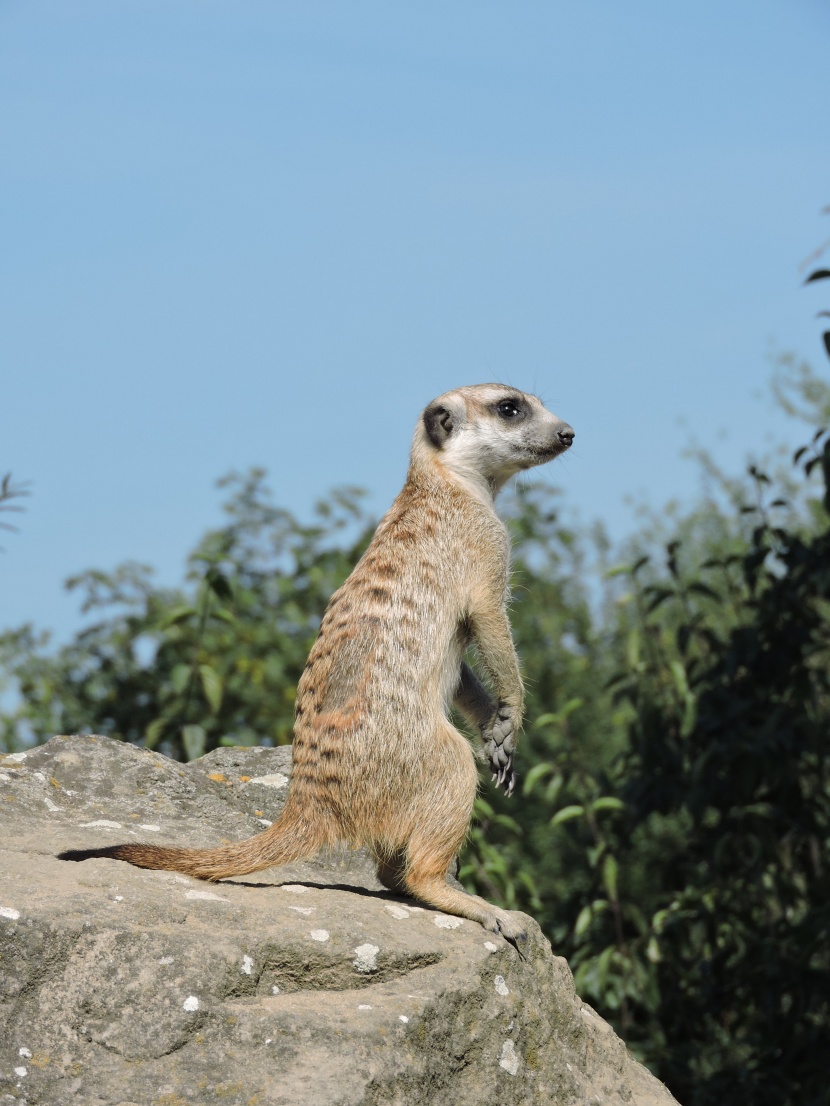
(383, 682)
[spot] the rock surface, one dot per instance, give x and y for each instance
(300, 986)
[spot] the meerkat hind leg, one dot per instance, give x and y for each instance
(392, 870)
(426, 879)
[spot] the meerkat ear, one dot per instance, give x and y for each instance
(438, 423)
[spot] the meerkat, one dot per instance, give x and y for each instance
(377, 761)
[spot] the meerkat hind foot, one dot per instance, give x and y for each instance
(506, 924)
(435, 891)
(511, 927)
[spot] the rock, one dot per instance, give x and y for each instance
(306, 985)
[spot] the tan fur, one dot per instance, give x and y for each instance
(376, 760)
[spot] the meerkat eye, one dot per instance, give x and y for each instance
(508, 409)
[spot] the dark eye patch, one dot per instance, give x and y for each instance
(510, 409)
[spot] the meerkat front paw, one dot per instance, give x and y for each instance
(499, 737)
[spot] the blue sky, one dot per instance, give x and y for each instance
(269, 233)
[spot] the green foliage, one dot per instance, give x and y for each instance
(672, 830)
(680, 859)
(214, 662)
(822, 274)
(8, 492)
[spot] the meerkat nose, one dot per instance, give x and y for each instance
(566, 436)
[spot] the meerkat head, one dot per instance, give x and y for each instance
(489, 432)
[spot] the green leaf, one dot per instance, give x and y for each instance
(219, 585)
(632, 649)
(180, 677)
(680, 680)
(703, 589)
(658, 596)
(607, 802)
(223, 615)
(212, 686)
(603, 965)
(177, 615)
(193, 739)
(567, 814)
(583, 921)
(553, 788)
(545, 720)
(536, 773)
(658, 921)
(508, 822)
(609, 876)
(153, 733)
(617, 570)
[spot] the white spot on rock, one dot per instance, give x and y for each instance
(403, 1018)
(101, 823)
(587, 1013)
(491, 947)
(118, 898)
(247, 965)
(265, 821)
(509, 1060)
(500, 985)
(364, 1006)
(397, 911)
(16, 758)
(191, 1003)
(5, 777)
(443, 921)
(204, 895)
(149, 827)
(294, 888)
(26, 1053)
(274, 991)
(166, 960)
(276, 780)
(319, 935)
(21, 1072)
(53, 807)
(303, 909)
(366, 958)
(568, 1066)
(9, 912)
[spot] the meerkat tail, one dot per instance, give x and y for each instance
(287, 840)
